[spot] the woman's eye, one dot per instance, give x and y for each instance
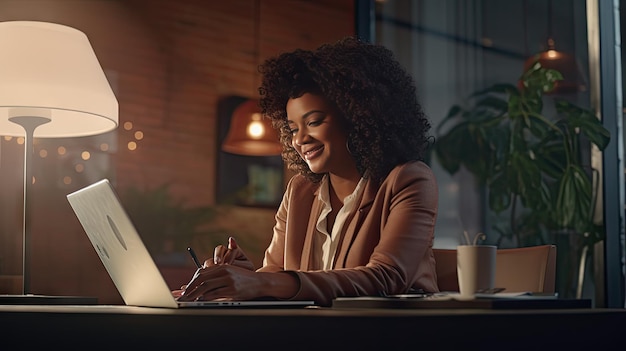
(315, 123)
(293, 131)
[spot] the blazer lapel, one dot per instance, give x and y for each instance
(316, 209)
(354, 222)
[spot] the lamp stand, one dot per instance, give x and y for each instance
(29, 124)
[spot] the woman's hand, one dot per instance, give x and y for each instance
(179, 292)
(231, 255)
(235, 283)
(222, 255)
(224, 281)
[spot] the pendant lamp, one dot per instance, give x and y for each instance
(250, 133)
(560, 61)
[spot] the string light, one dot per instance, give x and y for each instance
(86, 155)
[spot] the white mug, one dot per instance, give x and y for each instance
(476, 268)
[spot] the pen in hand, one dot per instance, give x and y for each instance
(194, 257)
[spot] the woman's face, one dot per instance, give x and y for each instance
(318, 136)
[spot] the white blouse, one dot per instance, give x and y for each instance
(324, 243)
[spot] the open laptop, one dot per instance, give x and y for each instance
(126, 258)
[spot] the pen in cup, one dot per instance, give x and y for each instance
(194, 257)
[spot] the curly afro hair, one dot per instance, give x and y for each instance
(373, 93)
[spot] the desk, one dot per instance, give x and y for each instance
(112, 327)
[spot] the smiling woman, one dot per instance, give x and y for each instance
(358, 217)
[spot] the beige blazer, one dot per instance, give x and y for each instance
(385, 245)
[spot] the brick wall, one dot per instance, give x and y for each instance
(169, 63)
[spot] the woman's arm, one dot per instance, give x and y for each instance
(391, 251)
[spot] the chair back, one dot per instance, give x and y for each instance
(530, 269)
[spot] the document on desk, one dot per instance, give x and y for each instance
(455, 300)
(500, 295)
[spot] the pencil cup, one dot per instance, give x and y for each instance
(476, 268)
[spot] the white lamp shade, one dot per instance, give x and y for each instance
(50, 70)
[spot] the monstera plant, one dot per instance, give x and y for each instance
(529, 150)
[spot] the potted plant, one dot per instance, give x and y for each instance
(168, 226)
(531, 162)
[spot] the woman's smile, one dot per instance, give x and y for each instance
(313, 152)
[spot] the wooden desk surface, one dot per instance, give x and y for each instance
(112, 327)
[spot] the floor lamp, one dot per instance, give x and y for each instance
(51, 86)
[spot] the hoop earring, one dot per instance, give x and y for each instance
(348, 147)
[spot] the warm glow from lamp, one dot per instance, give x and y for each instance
(256, 130)
(250, 134)
(51, 86)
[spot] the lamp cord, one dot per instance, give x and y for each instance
(257, 45)
(550, 27)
